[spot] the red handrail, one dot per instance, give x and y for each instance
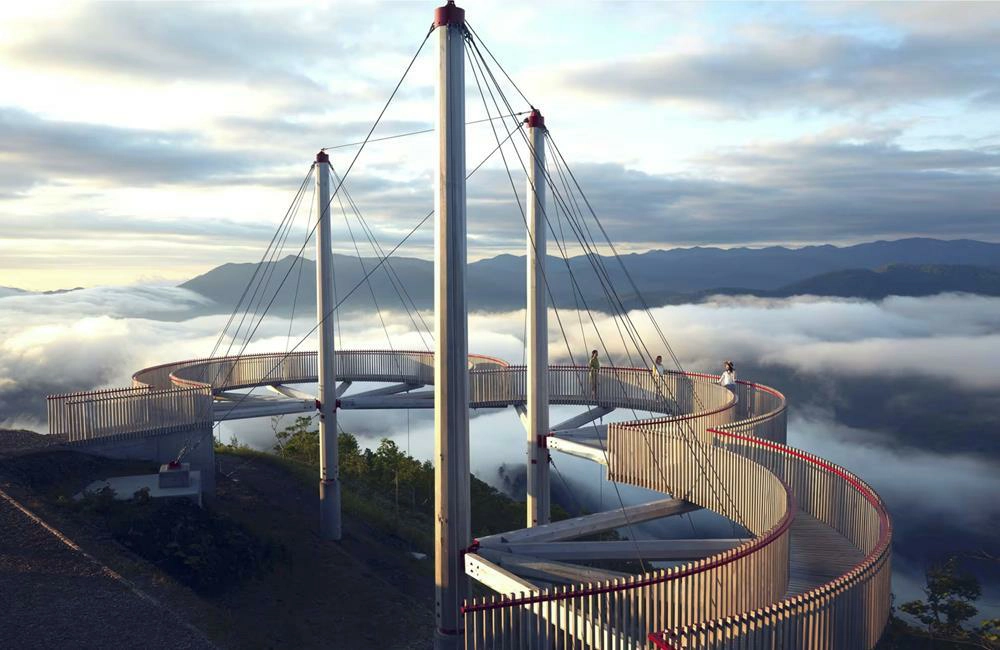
(885, 525)
(746, 549)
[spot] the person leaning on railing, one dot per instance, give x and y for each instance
(595, 366)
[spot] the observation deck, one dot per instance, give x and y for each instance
(812, 571)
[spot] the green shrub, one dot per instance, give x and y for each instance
(386, 482)
(952, 592)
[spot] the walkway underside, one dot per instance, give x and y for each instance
(813, 573)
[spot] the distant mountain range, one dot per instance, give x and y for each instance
(868, 284)
(12, 291)
(900, 280)
(909, 267)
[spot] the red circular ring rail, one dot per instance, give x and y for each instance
(885, 525)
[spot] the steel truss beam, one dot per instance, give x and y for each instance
(258, 408)
(586, 433)
(386, 402)
(387, 390)
(586, 417)
(592, 451)
(290, 392)
(591, 524)
(647, 549)
(550, 571)
(560, 614)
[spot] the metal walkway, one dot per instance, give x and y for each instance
(796, 572)
(818, 554)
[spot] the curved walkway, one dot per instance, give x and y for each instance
(815, 574)
(818, 554)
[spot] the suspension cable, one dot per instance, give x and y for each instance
(698, 448)
(377, 266)
(371, 289)
(405, 299)
(478, 62)
(258, 267)
(326, 209)
(298, 280)
(467, 24)
(260, 292)
(693, 444)
(422, 131)
(569, 490)
(612, 295)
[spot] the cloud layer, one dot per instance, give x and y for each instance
(939, 338)
(833, 357)
(766, 68)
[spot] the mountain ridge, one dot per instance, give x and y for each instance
(661, 276)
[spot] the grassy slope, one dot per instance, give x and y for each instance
(369, 588)
(365, 591)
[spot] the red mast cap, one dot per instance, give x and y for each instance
(449, 15)
(322, 157)
(535, 119)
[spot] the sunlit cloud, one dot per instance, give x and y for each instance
(840, 124)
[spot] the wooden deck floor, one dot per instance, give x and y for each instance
(818, 554)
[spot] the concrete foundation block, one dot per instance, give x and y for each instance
(175, 477)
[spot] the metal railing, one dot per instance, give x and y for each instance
(177, 396)
(719, 449)
(851, 610)
(493, 382)
(621, 613)
(761, 412)
(735, 599)
(128, 413)
(246, 371)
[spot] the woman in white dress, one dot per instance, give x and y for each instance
(728, 377)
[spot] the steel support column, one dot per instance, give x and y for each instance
(451, 375)
(537, 345)
(329, 466)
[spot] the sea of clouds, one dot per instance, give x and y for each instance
(828, 354)
(95, 337)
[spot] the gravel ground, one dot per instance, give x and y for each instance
(18, 441)
(52, 596)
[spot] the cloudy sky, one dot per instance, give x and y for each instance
(146, 141)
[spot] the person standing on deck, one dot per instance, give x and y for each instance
(658, 369)
(728, 377)
(595, 365)
(659, 374)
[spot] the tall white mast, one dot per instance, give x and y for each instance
(451, 373)
(329, 466)
(537, 331)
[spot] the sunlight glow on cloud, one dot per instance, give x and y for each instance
(826, 124)
(847, 338)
